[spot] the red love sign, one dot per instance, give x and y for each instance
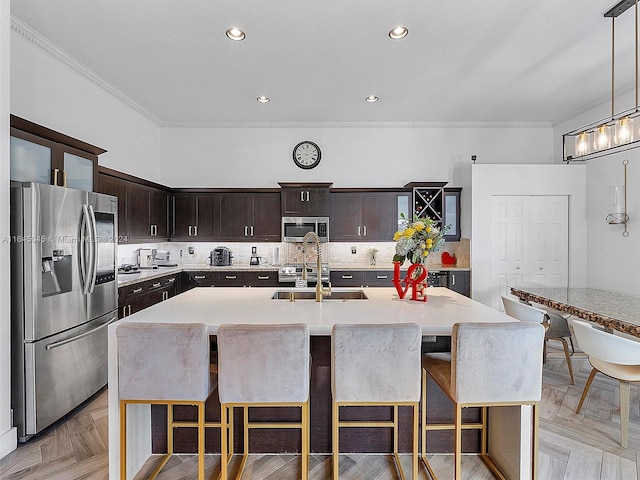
(416, 279)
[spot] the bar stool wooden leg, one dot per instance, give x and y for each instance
(123, 439)
(224, 441)
(458, 443)
(201, 441)
(334, 439)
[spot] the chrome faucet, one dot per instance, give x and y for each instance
(320, 291)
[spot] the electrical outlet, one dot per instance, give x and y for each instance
(191, 250)
(353, 250)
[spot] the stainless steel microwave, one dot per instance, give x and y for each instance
(295, 228)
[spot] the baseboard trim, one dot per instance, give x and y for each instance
(8, 442)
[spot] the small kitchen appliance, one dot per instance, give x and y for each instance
(147, 258)
(163, 259)
(295, 228)
(255, 258)
(221, 257)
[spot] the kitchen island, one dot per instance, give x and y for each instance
(216, 306)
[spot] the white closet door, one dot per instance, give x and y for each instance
(530, 242)
(549, 240)
(510, 244)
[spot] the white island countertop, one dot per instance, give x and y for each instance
(215, 306)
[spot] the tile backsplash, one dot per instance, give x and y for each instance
(338, 254)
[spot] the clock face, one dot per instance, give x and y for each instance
(306, 155)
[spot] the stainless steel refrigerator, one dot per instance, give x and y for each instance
(63, 296)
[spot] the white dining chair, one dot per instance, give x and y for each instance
(617, 357)
(554, 329)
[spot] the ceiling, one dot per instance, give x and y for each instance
(317, 60)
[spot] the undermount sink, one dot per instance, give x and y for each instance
(311, 295)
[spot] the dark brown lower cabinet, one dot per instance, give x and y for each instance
(136, 297)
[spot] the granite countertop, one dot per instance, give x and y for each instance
(125, 279)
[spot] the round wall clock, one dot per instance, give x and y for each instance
(306, 155)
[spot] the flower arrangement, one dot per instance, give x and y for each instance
(417, 240)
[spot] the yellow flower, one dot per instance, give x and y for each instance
(429, 243)
(425, 253)
(409, 232)
(428, 229)
(419, 226)
(396, 236)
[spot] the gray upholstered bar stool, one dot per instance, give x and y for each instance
(491, 364)
(263, 366)
(168, 364)
(376, 365)
(556, 327)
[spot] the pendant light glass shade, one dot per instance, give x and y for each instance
(583, 143)
(624, 131)
(602, 138)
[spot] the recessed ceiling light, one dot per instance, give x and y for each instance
(234, 33)
(263, 99)
(398, 32)
(371, 99)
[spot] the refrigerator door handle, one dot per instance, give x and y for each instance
(93, 248)
(84, 234)
(78, 337)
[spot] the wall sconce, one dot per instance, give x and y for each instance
(618, 202)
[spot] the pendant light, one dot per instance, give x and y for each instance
(617, 132)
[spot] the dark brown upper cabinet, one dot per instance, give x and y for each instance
(363, 216)
(247, 216)
(305, 200)
(195, 216)
(39, 154)
(143, 207)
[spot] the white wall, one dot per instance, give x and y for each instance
(8, 437)
(351, 156)
(489, 180)
(48, 92)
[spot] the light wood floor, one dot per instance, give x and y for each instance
(580, 447)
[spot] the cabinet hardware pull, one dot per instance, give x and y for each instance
(382, 277)
(199, 277)
(246, 231)
(230, 277)
(252, 230)
(365, 230)
(129, 307)
(347, 277)
(156, 285)
(301, 196)
(151, 230)
(171, 280)
(453, 279)
(307, 195)
(265, 277)
(359, 228)
(55, 176)
(190, 227)
(195, 230)
(137, 290)
(124, 311)
(64, 178)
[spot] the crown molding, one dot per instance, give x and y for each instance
(28, 34)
